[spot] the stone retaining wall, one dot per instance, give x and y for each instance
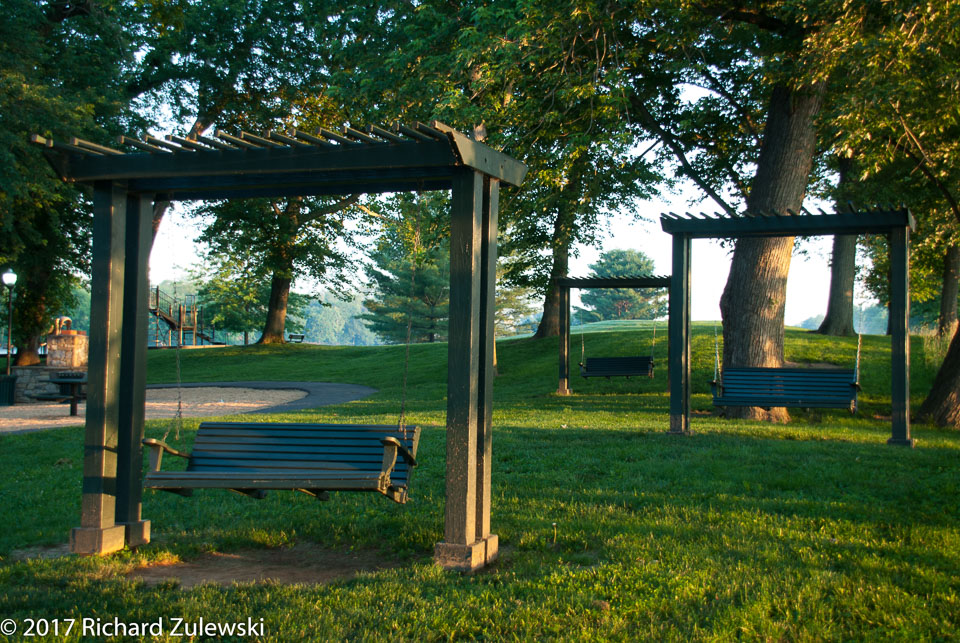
(32, 380)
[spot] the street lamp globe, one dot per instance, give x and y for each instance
(9, 278)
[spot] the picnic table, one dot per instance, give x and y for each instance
(73, 385)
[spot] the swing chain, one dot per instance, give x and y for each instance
(406, 358)
(178, 417)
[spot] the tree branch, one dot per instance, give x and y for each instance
(330, 209)
(650, 122)
(739, 14)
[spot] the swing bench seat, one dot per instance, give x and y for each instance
(251, 458)
(616, 367)
(787, 387)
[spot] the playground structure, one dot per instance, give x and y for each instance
(176, 323)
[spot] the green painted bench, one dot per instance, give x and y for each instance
(295, 338)
(788, 387)
(251, 458)
(617, 367)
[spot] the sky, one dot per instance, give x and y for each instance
(175, 251)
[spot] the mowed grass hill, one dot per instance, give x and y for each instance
(610, 528)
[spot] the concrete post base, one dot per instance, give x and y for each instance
(91, 540)
(467, 558)
(137, 533)
(898, 442)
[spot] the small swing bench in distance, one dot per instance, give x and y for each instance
(617, 367)
(251, 458)
(787, 387)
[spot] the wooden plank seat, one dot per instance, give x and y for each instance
(296, 339)
(788, 387)
(617, 367)
(251, 458)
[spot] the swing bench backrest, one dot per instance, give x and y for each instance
(617, 366)
(787, 387)
(315, 458)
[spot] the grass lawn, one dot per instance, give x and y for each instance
(609, 527)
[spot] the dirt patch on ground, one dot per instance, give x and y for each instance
(161, 403)
(41, 552)
(301, 564)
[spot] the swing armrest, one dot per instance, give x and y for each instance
(156, 452)
(393, 443)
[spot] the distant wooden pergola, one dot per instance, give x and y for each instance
(895, 224)
(281, 164)
(564, 284)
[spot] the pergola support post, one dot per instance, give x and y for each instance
(98, 532)
(900, 337)
(563, 387)
(467, 543)
(133, 370)
(679, 332)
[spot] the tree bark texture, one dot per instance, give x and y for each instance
(276, 311)
(560, 243)
(843, 270)
(942, 405)
(752, 304)
(947, 322)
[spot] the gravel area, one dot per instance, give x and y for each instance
(161, 403)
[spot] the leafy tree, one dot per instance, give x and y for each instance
(300, 237)
(514, 307)
(233, 296)
(529, 77)
(62, 71)
(409, 291)
(625, 303)
(333, 321)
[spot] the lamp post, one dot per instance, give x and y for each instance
(9, 280)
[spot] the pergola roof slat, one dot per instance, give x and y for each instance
(236, 140)
(384, 134)
(357, 135)
(333, 136)
(93, 147)
(309, 138)
(259, 140)
(220, 145)
(140, 145)
(159, 142)
(410, 132)
(280, 137)
(188, 143)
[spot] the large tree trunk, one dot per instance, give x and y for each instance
(560, 243)
(30, 315)
(942, 405)
(752, 304)
(947, 322)
(843, 269)
(276, 311)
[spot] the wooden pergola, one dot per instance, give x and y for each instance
(564, 284)
(896, 224)
(281, 164)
